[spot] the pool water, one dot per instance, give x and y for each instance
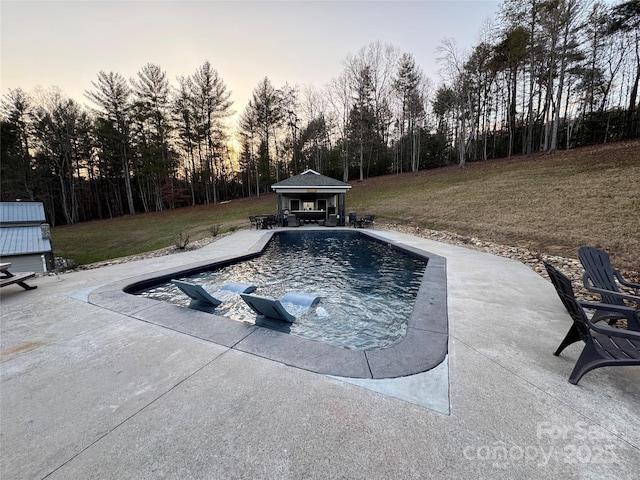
(368, 288)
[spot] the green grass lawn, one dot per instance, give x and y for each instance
(549, 203)
(118, 237)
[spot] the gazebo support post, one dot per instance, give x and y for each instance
(341, 208)
(279, 211)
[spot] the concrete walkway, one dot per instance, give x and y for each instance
(86, 392)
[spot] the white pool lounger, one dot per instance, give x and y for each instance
(202, 300)
(272, 308)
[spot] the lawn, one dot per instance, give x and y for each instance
(548, 203)
(132, 234)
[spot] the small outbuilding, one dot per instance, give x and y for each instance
(312, 196)
(25, 238)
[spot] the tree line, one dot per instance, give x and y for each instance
(548, 74)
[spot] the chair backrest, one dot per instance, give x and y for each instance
(565, 291)
(239, 287)
(301, 299)
(598, 268)
(196, 293)
(268, 307)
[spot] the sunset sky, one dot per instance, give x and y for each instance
(66, 43)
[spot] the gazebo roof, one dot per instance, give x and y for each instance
(311, 180)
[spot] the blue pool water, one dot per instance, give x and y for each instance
(368, 288)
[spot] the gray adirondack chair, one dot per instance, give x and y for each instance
(605, 346)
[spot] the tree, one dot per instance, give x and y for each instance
(626, 18)
(480, 79)
(315, 143)
(248, 127)
(379, 61)
(152, 109)
(568, 12)
(17, 171)
(63, 145)
(211, 107)
(266, 109)
(460, 94)
(408, 83)
(520, 52)
(510, 55)
(112, 96)
(291, 122)
(593, 82)
(362, 119)
(184, 116)
(339, 97)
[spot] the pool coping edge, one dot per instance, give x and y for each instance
(424, 346)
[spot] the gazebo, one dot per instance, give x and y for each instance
(311, 196)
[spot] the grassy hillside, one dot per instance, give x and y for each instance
(549, 203)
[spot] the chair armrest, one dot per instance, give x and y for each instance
(616, 332)
(631, 314)
(635, 286)
(586, 280)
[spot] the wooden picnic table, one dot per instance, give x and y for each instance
(8, 278)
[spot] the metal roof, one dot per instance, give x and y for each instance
(23, 241)
(22, 212)
(311, 179)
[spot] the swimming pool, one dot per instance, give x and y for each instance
(422, 347)
(368, 287)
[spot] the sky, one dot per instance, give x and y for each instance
(66, 43)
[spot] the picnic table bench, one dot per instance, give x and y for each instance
(8, 278)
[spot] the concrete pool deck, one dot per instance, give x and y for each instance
(86, 392)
